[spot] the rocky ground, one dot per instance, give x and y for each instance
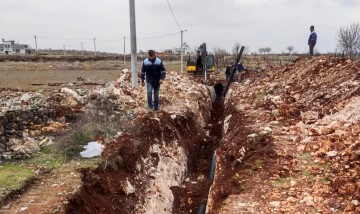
(291, 141)
(286, 140)
(32, 121)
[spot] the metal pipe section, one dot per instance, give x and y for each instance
(212, 167)
(233, 70)
(201, 209)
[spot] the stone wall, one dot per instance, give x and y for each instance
(13, 123)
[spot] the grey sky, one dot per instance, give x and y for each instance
(255, 23)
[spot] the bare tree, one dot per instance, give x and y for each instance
(267, 50)
(220, 54)
(246, 50)
(348, 39)
(235, 49)
(261, 50)
(290, 49)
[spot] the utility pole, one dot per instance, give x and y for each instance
(182, 51)
(134, 75)
(64, 49)
(95, 45)
(124, 49)
(36, 44)
(82, 49)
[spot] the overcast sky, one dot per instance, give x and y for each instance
(254, 23)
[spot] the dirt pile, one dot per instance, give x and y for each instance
(37, 115)
(141, 166)
(291, 140)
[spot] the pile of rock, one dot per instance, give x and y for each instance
(311, 111)
(26, 114)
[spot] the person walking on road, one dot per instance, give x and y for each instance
(154, 72)
(312, 40)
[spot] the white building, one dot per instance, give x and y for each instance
(12, 48)
(174, 51)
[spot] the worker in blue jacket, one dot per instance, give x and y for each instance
(154, 72)
(239, 68)
(312, 40)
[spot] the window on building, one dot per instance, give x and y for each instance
(1, 50)
(17, 50)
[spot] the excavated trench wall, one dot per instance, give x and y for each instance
(13, 123)
(139, 169)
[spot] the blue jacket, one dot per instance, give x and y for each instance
(153, 70)
(240, 67)
(312, 39)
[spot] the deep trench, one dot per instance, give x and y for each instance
(191, 197)
(105, 189)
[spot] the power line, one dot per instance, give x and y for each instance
(151, 37)
(174, 15)
(155, 37)
(58, 38)
(104, 40)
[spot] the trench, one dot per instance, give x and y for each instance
(162, 166)
(191, 196)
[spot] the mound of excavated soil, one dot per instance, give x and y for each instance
(142, 167)
(291, 141)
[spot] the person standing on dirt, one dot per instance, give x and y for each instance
(312, 40)
(154, 72)
(239, 69)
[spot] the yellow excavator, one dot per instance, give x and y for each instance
(203, 65)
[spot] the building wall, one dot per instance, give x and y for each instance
(13, 52)
(12, 49)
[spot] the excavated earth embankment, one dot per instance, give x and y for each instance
(142, 169)
(291, 141)
(286, 140)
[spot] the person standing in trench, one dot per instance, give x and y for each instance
(154, 72)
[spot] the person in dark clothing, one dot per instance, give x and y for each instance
(312, 41)
(239, 69)
(227, 72)
(154, 71)
(237, 75)
(219, 88)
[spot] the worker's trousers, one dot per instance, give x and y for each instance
(150, 89)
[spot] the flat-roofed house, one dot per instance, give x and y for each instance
(12, 48)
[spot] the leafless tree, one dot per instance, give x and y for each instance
(348, 39)
(261, 50)
(220, 54)
(267, 50)
(246, 50)
(235, 49)
(290, 49)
